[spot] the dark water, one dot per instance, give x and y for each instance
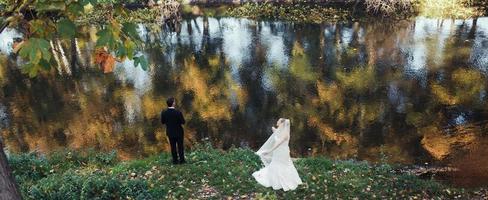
(413, 91)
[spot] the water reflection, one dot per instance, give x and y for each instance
(414, 90)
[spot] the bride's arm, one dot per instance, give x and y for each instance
(279, 139)
(277, 143)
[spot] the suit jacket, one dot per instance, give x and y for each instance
(173, 120)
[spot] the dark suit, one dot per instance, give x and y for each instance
(173, 120)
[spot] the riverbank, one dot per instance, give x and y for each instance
(300, 11)
(306, 12)
(215, 174)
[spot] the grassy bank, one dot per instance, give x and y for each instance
(304, 11)
(210, 173)
(299, 12)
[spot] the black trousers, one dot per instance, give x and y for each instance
(177, 149)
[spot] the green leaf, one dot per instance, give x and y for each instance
(35, 56)
(46, 54)
(136, 61)
(121, 51)
(141, 60)
(30, 69)
(66, 28)
(45, 64)
(130, 47)
(130, 29)
(75, 8)
(106, 38)
(34, 49)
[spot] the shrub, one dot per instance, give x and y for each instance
(296, 12)
(100, 186)
(58, 186)
(64, 160)
(449, 8)
(103, 159)
(136, 189)
(390, 7)
(29, 167)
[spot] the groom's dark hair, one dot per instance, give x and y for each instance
(170, 101)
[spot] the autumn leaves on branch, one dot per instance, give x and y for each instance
(53, 28)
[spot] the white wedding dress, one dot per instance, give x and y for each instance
(279, 171)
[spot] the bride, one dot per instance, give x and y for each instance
(279, 171)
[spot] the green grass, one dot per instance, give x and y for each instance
(210, 173)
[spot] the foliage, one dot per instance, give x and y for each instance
(4, 4)
(449, 8)
(56, 21)
(309, 12)
(297, 12)
(390, 7)
(210, 173)
(29, 167)
(36, 51)
(102, 13)
(429, 8)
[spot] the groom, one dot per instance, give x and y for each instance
(173, 120)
